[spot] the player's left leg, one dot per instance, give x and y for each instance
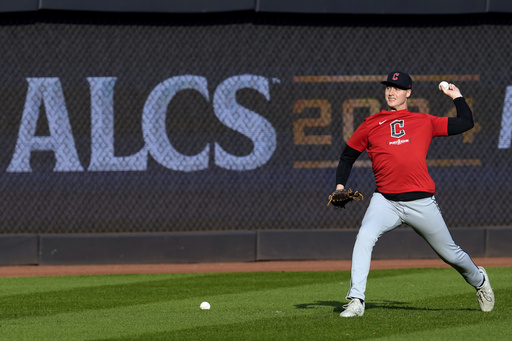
(425, 217)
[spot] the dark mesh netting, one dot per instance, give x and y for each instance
(146, 123)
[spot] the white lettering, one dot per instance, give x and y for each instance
(244, 121)
(61, 142)
(154, 129)
(102, 131)
(48, 91)
(506, 121)
(399, 142)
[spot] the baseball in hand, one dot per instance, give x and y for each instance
(205, 306)
(443, 84)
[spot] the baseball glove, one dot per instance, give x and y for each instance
(339, 198)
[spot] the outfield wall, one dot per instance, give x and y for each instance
(264, 6)
(239, 246)
(149, 125)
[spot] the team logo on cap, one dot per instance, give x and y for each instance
(395, 76)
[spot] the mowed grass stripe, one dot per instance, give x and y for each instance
(251, 306)
(24, 285)
(165, 316)
(407, 320)
(496, 330)
(320, 321)
(145, 290)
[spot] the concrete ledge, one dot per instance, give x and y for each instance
(499, 241)
(19, 249)
(283, 6)
(235, 246)
(305, 244)
(147, 248)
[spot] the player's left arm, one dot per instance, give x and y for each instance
(347, 159)
(353, 149)
(464, 120)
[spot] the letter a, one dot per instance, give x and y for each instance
(61, 142)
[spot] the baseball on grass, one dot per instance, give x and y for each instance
(443, 84)
(205, 306)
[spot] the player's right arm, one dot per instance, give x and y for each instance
(464, 120)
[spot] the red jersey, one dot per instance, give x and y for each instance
(397, 143)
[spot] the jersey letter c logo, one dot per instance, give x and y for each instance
(397, 130)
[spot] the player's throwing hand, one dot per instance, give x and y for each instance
(451, 91)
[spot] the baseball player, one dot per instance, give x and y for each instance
(397, 140)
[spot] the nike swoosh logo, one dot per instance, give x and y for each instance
(382, 122)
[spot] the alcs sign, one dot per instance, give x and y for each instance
(60, 140)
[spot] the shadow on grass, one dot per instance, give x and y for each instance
(338, 306)
(383, 304)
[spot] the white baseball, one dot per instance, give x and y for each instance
(443, 84)
(205, 306)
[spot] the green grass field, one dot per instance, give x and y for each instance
(411, 304)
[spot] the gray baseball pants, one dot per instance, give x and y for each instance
(424, 216)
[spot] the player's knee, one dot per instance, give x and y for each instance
(366, 238)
